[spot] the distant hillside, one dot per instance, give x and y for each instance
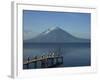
(55, 35)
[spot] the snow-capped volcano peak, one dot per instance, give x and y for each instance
(54, 28)
(51, 29)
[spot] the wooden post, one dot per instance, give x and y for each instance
(46, 62)
(42, 64)
(28, 63)
(56, 60)
(52, 61)
(61, 58)
(35, 63)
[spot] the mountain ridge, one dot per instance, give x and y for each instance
(55, 35)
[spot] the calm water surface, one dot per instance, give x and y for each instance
(74, 54)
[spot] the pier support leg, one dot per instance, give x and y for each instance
(42, 64)
(35, 63)
(52, 61)
(46, 62)
(61, 59)
(56, 60)
(27, 65)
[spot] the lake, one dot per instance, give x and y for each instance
(74, 54)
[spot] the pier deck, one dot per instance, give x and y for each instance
(45, 61)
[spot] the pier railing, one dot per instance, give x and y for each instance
(50, 60)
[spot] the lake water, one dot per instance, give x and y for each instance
(74, 54)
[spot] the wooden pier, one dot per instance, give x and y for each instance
(50, 60)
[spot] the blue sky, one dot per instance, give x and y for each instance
(35, 22)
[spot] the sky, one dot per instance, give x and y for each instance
(35, 22)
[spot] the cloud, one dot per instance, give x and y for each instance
(28, 35)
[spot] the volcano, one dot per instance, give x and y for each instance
(56, 35)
